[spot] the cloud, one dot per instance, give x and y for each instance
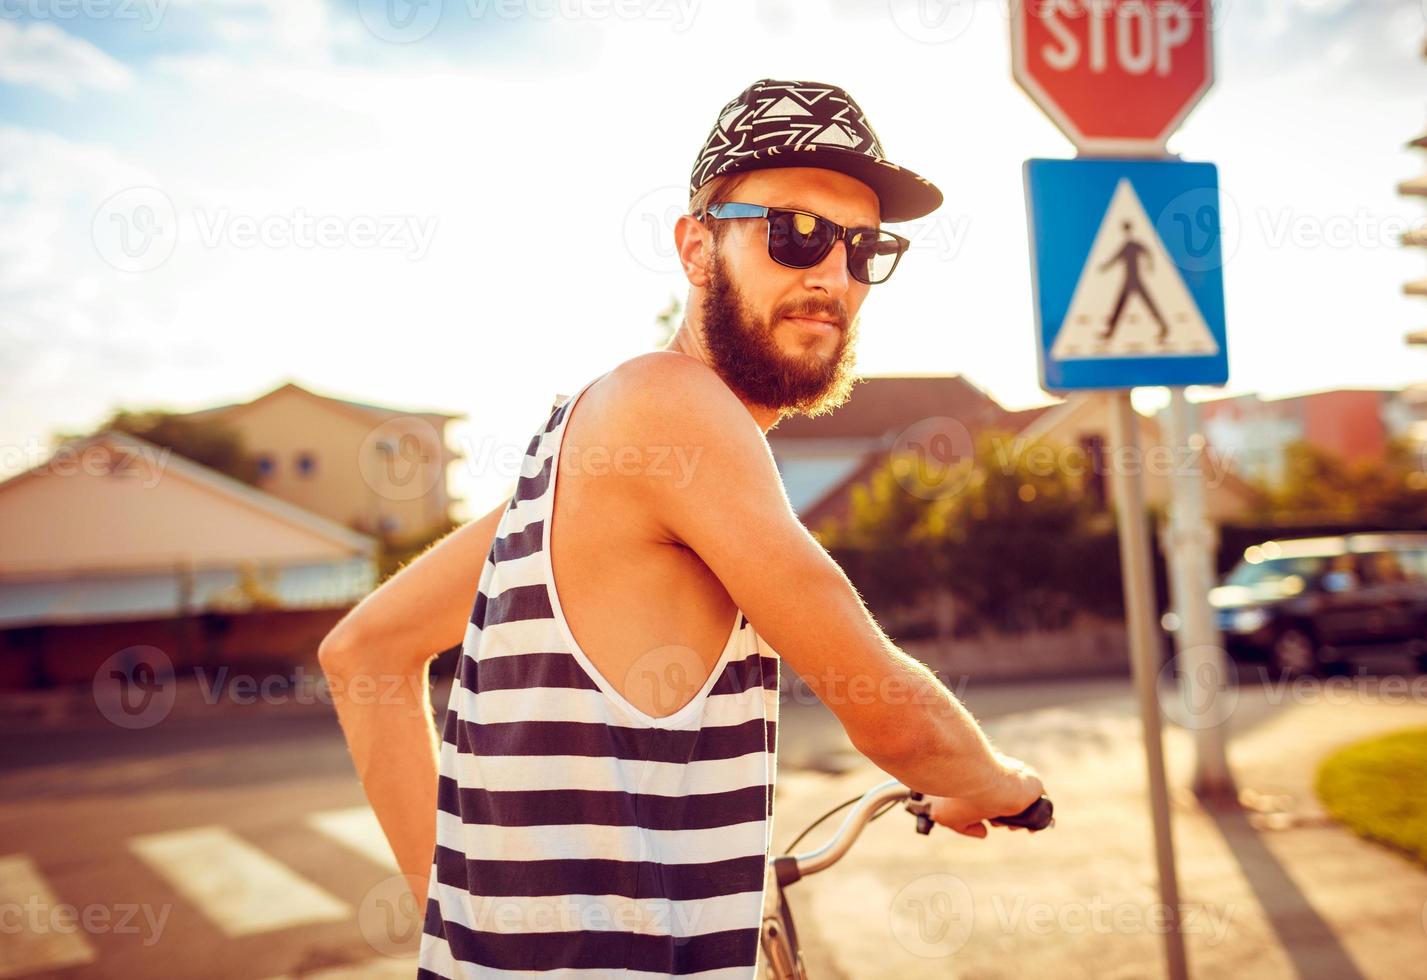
(44, 56)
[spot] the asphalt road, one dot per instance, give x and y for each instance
(233, 840)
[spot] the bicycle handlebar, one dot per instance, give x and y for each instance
(1038, 816)
(789, 868)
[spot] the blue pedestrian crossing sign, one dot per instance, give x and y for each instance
(1127, 271)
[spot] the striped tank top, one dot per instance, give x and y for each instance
(576, 835)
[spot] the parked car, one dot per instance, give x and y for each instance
(1311, 603)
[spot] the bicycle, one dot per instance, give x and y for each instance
(783, 957)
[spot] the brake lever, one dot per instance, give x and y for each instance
(1040, 815)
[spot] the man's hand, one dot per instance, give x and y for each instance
(1016, 787)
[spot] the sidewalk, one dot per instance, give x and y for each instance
(1273, 891)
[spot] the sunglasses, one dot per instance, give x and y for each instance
(800, 240)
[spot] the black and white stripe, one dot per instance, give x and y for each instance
(577, 836)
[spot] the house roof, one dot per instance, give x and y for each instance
(887, 404)
(367, 410)
(162, 547)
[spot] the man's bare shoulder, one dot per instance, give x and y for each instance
(665, 394)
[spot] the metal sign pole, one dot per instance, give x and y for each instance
(1135, 567)
(1189, 553)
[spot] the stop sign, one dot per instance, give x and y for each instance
(1117, 76)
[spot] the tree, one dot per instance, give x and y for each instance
(209, 443)
(668, 320)
(1319, 485)
(1020, 547)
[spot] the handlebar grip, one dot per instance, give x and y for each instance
(1038, 816)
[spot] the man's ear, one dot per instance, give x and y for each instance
(694, 243)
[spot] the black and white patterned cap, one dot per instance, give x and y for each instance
(809, 124)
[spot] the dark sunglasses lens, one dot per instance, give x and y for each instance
(871, 256)
(798, 240)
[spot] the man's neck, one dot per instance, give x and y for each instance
(686, 342)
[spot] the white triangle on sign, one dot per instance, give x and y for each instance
(1129, 276)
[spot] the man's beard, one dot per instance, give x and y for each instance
(747, 357)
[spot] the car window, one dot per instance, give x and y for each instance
(1414, 564)
(1382, 568)
(1270, 571)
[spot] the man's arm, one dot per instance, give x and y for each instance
(376, 662)
(732, 511)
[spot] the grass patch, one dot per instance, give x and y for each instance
(1378, 788)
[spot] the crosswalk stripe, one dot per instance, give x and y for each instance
(356, 827)
(385, 968)
(234, 884)
(35, 933)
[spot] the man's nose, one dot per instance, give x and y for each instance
(830, 275)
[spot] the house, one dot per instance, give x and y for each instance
(115, 541)
(822, 459)
(1354, 424)
(379, 470)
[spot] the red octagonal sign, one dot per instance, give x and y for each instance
(1117, 76)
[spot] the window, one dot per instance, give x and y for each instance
(267, 465)
(306, 463)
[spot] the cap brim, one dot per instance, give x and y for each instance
(901, 194)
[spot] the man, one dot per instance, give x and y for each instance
(602, 786)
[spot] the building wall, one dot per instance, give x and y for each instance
(1226, 497)
(128, 513)
(45, 656)
(1347, 423)
(373, 475)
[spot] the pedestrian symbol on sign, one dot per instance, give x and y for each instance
(1131, 300)
(1130, 255)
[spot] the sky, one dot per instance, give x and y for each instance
(468, 205)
